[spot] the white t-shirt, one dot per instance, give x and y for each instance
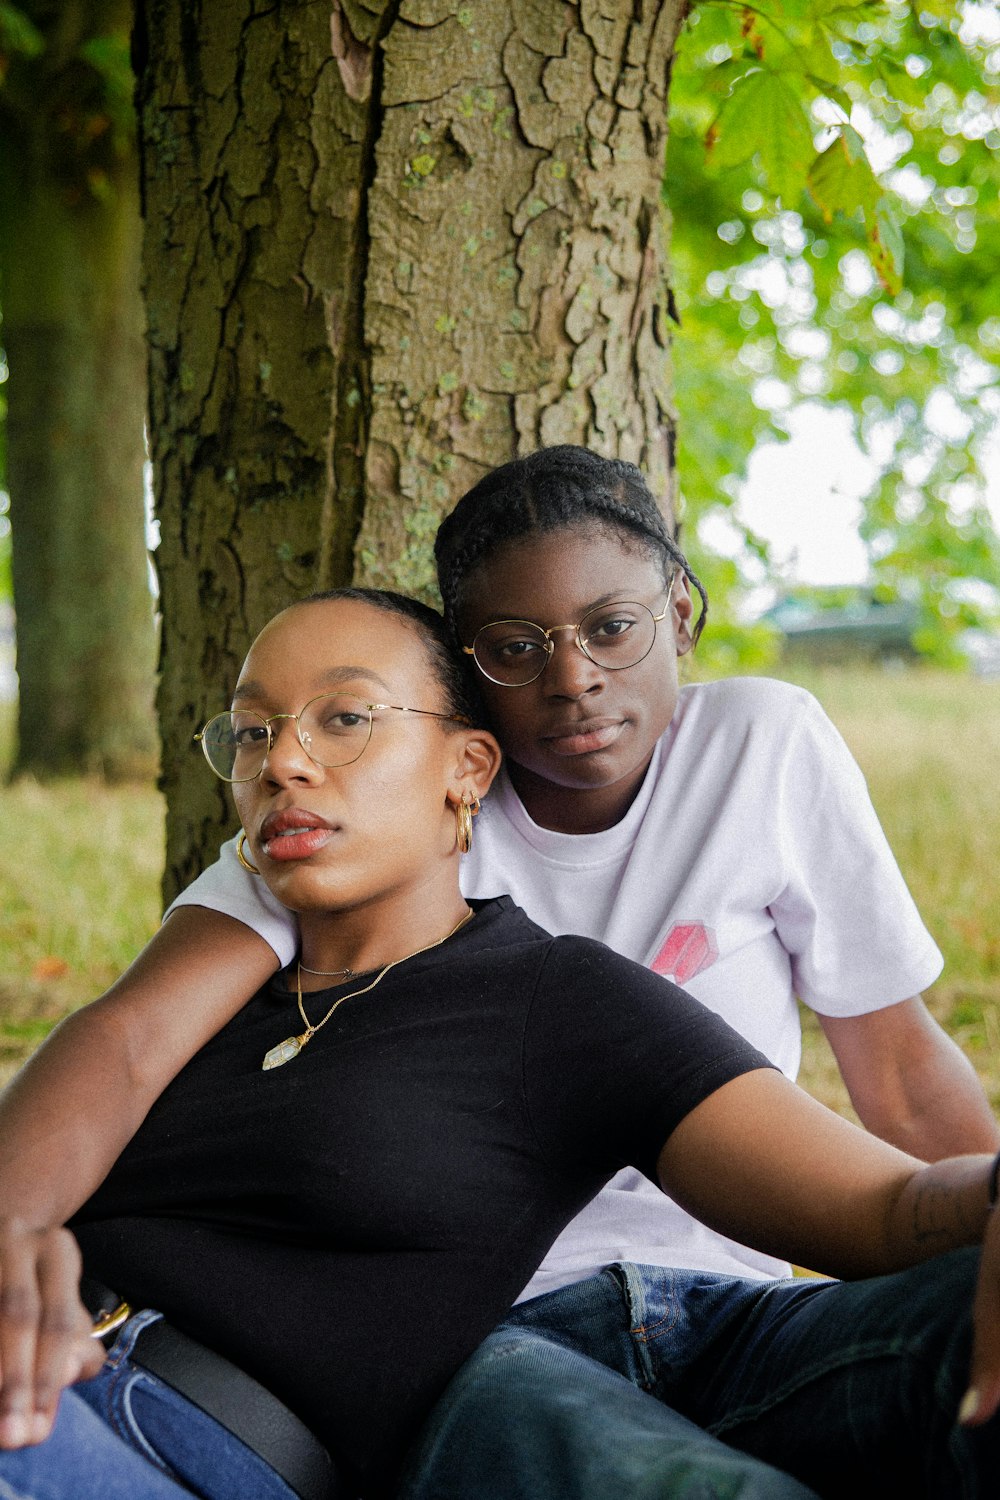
(750, 868)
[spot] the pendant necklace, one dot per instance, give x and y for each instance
(290, 1048)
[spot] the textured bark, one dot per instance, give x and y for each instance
(72, 329)
(390, 243)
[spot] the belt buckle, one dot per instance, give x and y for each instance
(107, 1323)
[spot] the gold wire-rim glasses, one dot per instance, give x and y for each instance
(203, 738)
(545, 641)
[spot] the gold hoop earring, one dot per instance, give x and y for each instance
(465, 811)
(240, 843)
(463, 820)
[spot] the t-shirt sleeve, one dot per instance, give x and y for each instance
(615, 1057)
(845, 915)
(228, 888)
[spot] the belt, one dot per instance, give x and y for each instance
(227, 1394)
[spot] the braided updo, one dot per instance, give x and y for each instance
(546, 491)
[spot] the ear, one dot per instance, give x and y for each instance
(681, 613)
(477, 762)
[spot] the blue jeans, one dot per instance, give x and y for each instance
(126, 1436)
(660, 1384)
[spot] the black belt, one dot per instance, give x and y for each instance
(233, 1398)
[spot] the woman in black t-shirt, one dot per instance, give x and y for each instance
(339, 1189)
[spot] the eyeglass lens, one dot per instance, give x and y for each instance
(515, 652)
(333, 730)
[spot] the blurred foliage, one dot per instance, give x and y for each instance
(65, 74)
(6, 583)
(811, 141)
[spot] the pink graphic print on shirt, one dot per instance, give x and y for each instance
(689, 949)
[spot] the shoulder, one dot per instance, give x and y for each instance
(744, 700)
(584, 977)
(609, 1011)
(745, 711)
(502, 933)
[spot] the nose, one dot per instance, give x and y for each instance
(570, 673)
(286, 762)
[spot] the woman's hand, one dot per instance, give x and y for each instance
(45, 1341)
(982, 1399)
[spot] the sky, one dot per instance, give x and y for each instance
(804, 498)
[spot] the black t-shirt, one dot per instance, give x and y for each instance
(349, 1227)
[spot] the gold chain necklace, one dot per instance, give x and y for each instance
(290, 1048)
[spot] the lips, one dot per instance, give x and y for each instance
(294, 833)
(583, 736)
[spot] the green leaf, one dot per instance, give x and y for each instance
(841, 179)
(848, 9)
(109, 56)
(885, 241)
(764, 117)
(941, 10)
(901, 86)
(842, 182)
(833, 91)
(18, 33)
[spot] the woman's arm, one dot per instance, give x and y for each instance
(66, 1117)
(910, 1083)
(68, 1113)
(762, 1162)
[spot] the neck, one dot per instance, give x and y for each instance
(574, 809)
(370, 936)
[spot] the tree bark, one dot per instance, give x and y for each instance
(388, 246)
(72, 328)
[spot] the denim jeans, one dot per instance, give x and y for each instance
(650, 1384)
(126, 1436)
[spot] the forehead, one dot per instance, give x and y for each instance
(368, 650)
(555, 577)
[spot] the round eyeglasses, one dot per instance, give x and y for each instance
(614, 636)
(333, 729)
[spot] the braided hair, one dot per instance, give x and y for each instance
(546, 491)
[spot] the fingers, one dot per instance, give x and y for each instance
(982, 1399)
(44, 1343)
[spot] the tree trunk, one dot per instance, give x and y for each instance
(72, 328)
(386, 249)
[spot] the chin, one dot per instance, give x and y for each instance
(304, 891)
(586, 772)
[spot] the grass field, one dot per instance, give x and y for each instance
(929, 745)
(80, 863)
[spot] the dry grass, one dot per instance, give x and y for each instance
(79, 890)
(929, 745)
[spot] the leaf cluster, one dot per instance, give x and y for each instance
(66, 88)
(810, 141)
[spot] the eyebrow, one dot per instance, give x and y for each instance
(334, 677)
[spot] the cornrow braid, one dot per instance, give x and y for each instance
(546, 491)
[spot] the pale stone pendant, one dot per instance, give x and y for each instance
(285, 1051)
